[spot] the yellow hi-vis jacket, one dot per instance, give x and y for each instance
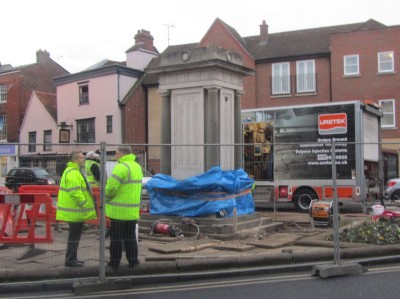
(123, 189)
(75, 203)
(89, 175)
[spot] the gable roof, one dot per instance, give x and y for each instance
(5, 67)
(231, 31)
(105, 62)
(42, 57)
(305, 42)
(49, 101)
(283, 45)
(8, 68)
(95, 72)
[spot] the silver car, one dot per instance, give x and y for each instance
(393, 189)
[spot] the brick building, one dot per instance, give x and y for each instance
(357, 61)
(16, 86)
(106, 102)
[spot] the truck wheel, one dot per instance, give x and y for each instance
(303, 198)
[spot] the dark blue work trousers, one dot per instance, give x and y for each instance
(123, 233)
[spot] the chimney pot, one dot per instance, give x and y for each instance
(143, 37)
(42, 55)
(263, 32)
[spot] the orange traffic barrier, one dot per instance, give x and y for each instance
(50, 189)
(53, 191)
(4, 190)
(6, 224)
(19, 214)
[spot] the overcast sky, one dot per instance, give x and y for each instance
(80, 33)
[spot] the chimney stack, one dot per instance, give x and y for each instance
(263, 32)
(146, 39)
(42, 56)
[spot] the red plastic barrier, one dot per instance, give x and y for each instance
(14, 211)
(49, 189)
(96, 197)
(4, 190)
(52, 190)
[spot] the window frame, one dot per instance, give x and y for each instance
(3, 126)
(278, 79)
(3, 93)
(305, 77)
(347, 65)
(385, 113)
(47, 147)
(86, 130)
(83, 94)
(383, 71)
(32, 141)
(109, 124)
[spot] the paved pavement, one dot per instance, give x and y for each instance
(297, 245)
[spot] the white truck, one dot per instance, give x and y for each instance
(288, 151)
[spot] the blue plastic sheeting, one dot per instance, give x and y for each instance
(209, 193)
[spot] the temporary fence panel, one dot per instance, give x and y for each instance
(205, 237)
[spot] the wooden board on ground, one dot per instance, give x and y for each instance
(234, 247)
(176, 248)
(275, 241)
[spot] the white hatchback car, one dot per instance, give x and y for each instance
(393, 189)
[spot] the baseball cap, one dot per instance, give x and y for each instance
(91, 155)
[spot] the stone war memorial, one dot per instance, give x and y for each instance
(201, 127)
(201, 90)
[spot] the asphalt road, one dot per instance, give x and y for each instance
(377, 282)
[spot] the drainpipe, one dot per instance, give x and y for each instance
(122, 108)
(330, 76)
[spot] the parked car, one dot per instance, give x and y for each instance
(29, 176)
(393, 189)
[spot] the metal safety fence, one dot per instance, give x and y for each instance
(304, 210)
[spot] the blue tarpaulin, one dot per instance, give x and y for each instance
(209, 193)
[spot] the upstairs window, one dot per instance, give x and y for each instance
(109, 124)
(280, 78)
(3, 127)
(46, 140)
(32, 142)
(388, 109)
(305, 80)
(351, 65)
(3, 93)
(385, 62)
(83, 94)
(86, 131)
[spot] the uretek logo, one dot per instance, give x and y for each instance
(329, 124)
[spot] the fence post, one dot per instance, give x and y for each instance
(102, 216)
(336, 269)
(336, 249)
